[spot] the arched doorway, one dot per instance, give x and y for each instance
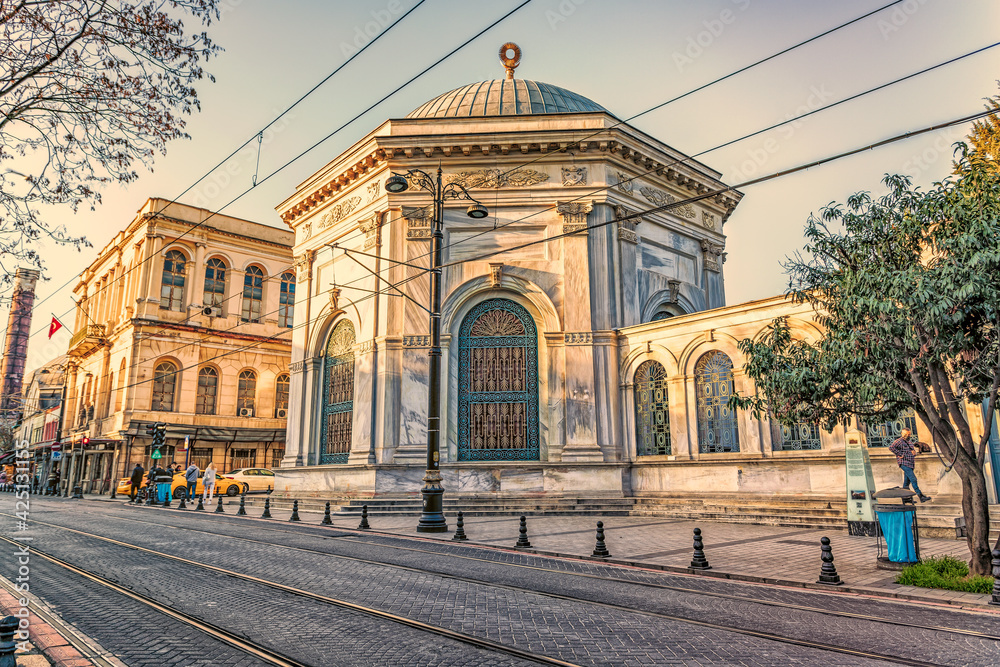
(338, 394)
(498, 384)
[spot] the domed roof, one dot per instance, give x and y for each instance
(505, 97)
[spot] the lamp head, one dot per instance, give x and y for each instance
(396, 184)
(477, 211)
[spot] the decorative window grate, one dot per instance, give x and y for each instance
(717, 427)
(498, 384)
(338, 394)
(652, 418)
(799, 436)
(885, 433)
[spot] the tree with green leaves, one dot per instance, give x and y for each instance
(906, 287)
(91, 89)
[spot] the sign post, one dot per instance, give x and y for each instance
(860, 486)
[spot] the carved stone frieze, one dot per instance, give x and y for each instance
(708, 219)
(416, 341)
(372, 228)
(296, 367)
(364, 347)
(714, 255)
(418, 222)
(373, 190)
(498, 178)
(628, 235)
(574, 175)
(674, 288)
(574, 215)
(661, 198)
(339, 212)
(578, 338)
(496, 274)
(625, 182)
(627, 221)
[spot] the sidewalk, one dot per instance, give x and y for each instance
(46, 645)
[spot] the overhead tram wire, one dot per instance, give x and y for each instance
(658, 106)
(259, 133)
(330, 135)
(689, 200)
(598, 190)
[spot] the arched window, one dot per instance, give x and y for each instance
(498, 384)
(121, 387)
(215, 283)
(338, 394)
(796, 437)
(246, 394)
(286, 302)
(208, 389)
(281, 385)
(885, 433)
(164, 384)
(172, 286)
(717, 427)
(652, 418)
(253, 294)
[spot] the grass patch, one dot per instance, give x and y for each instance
(944, 572)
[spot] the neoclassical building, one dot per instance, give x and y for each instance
(588, 349)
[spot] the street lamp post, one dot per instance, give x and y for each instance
(432, 516)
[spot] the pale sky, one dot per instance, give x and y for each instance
(625, 55)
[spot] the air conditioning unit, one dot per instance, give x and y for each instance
(282, 414)
(212, 311)
(246, 412)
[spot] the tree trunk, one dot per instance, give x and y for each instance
(975, 508)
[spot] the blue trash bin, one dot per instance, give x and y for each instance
(898, 526)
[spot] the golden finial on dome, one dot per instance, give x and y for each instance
(510, 62)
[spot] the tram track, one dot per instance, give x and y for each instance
(895, 621)
(481, 643)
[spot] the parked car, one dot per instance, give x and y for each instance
(224, 485)
(256, 480)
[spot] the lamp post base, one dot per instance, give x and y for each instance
(432, 517)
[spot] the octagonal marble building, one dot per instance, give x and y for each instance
(587, 234)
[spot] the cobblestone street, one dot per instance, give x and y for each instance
(148, 586)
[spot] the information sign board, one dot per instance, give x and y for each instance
(860, 486)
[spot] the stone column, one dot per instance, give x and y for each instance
(148, 298)
(715, 295)
(361, 427)
(194, 277)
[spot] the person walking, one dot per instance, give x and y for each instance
(191, 475)
(164, 480)
(209, 483)
(905, 451)
(136, 481)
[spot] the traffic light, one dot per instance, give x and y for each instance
(158, 432)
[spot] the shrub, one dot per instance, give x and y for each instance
(944, 572)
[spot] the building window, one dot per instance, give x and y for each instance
(215, 283)
(208, 389)
(201, 456)
(717, 427)
(276, 456)
(164, 383)
(172, 287)
(286, 302)
(338, 394)
(796, 437)
(281, 386)
(652, 418)
(885, 433)
(243, 458)
(253, 294)
(498, 384)
(246, 394)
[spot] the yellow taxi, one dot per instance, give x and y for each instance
(223, 486)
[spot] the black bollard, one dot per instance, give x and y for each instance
(828, 573)
(166, 501)
(201, 505)
(77, 492)
(267, 508)
(522, 538)
(698, 561)
(601, 549)
(218, 507)
(114, 488)
(151, 497)
(295, 511)
(8, 626)
(182, 505)
(364, 519)
(327, 520)
(460, 535)
(242, 511)
(995, 599)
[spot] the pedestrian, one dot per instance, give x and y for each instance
(164, 480)
(904, 451)
(3, 480)
(191, 475)
(209, 483)
(135, 481)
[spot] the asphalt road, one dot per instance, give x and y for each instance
(275, 584)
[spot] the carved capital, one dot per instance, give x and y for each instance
(627, 221)
(578, 338)
(713, 255)
(372, 227)
(674, 287)
(496, 274)
(574, 215)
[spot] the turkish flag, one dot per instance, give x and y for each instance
(54, 326)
